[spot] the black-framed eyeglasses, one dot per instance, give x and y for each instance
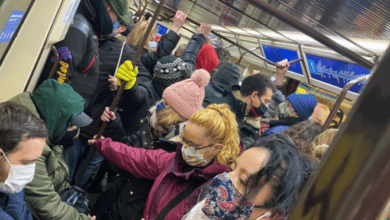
(185, 142)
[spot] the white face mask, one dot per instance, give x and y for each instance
(152, 45)
(18, 177)
(193, 156)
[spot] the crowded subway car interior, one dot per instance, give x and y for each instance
(194, 109)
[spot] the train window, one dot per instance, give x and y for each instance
(11, 18)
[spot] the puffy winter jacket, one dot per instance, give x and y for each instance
(110, 49)
(214, 90)
(123, 206)
(51, 172)
(57, 104)
(171, 175)
(79, 57)
(149, 60)
(192, 50)
(237, 106)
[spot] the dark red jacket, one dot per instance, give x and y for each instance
(171, 174)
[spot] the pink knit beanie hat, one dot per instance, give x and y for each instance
(186, 97)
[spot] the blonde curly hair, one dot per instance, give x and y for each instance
(220, 126)
(138, 32)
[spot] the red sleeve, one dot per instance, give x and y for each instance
(140, 162)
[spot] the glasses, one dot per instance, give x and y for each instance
(185, 142)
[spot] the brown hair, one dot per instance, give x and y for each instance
(138, 32)
(303, 134)
(168, 117)
(18, 124)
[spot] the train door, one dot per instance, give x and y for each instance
(28, 29)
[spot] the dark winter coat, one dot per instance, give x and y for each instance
(110, 49)
(79, 57)
(214, 90)
(130, 117)
(149, 60)
(238, 107)
(191, 52)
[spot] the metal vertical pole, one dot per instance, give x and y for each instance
(120, 91)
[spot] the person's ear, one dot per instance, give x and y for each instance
(217, 149)
(166, 104)
(254, 94)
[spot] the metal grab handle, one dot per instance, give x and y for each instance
(242, 55)
(57, 57)
(120, 91)
(294, 61)
(341, 98)
(220, 36)
(311, 32)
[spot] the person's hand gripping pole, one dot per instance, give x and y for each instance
(126, 72)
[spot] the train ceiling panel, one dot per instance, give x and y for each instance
(361, 25)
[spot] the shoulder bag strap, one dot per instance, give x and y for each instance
(175, 201)
(119, 60)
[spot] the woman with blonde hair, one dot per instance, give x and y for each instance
(321, 143)
(210, 142)
(149, 57)
(135, 37)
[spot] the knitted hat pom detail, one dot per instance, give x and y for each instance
(201, 77)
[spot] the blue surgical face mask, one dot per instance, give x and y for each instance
(152, 45)
(160, 107)
(115, 25)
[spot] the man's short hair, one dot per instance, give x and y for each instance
(18, 124)
(257, 82)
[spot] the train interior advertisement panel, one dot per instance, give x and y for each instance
(335, 72)
(276, 54)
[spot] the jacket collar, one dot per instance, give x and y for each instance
(180, 168)
(239, 106)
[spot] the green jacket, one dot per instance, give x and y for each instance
(51, 175)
